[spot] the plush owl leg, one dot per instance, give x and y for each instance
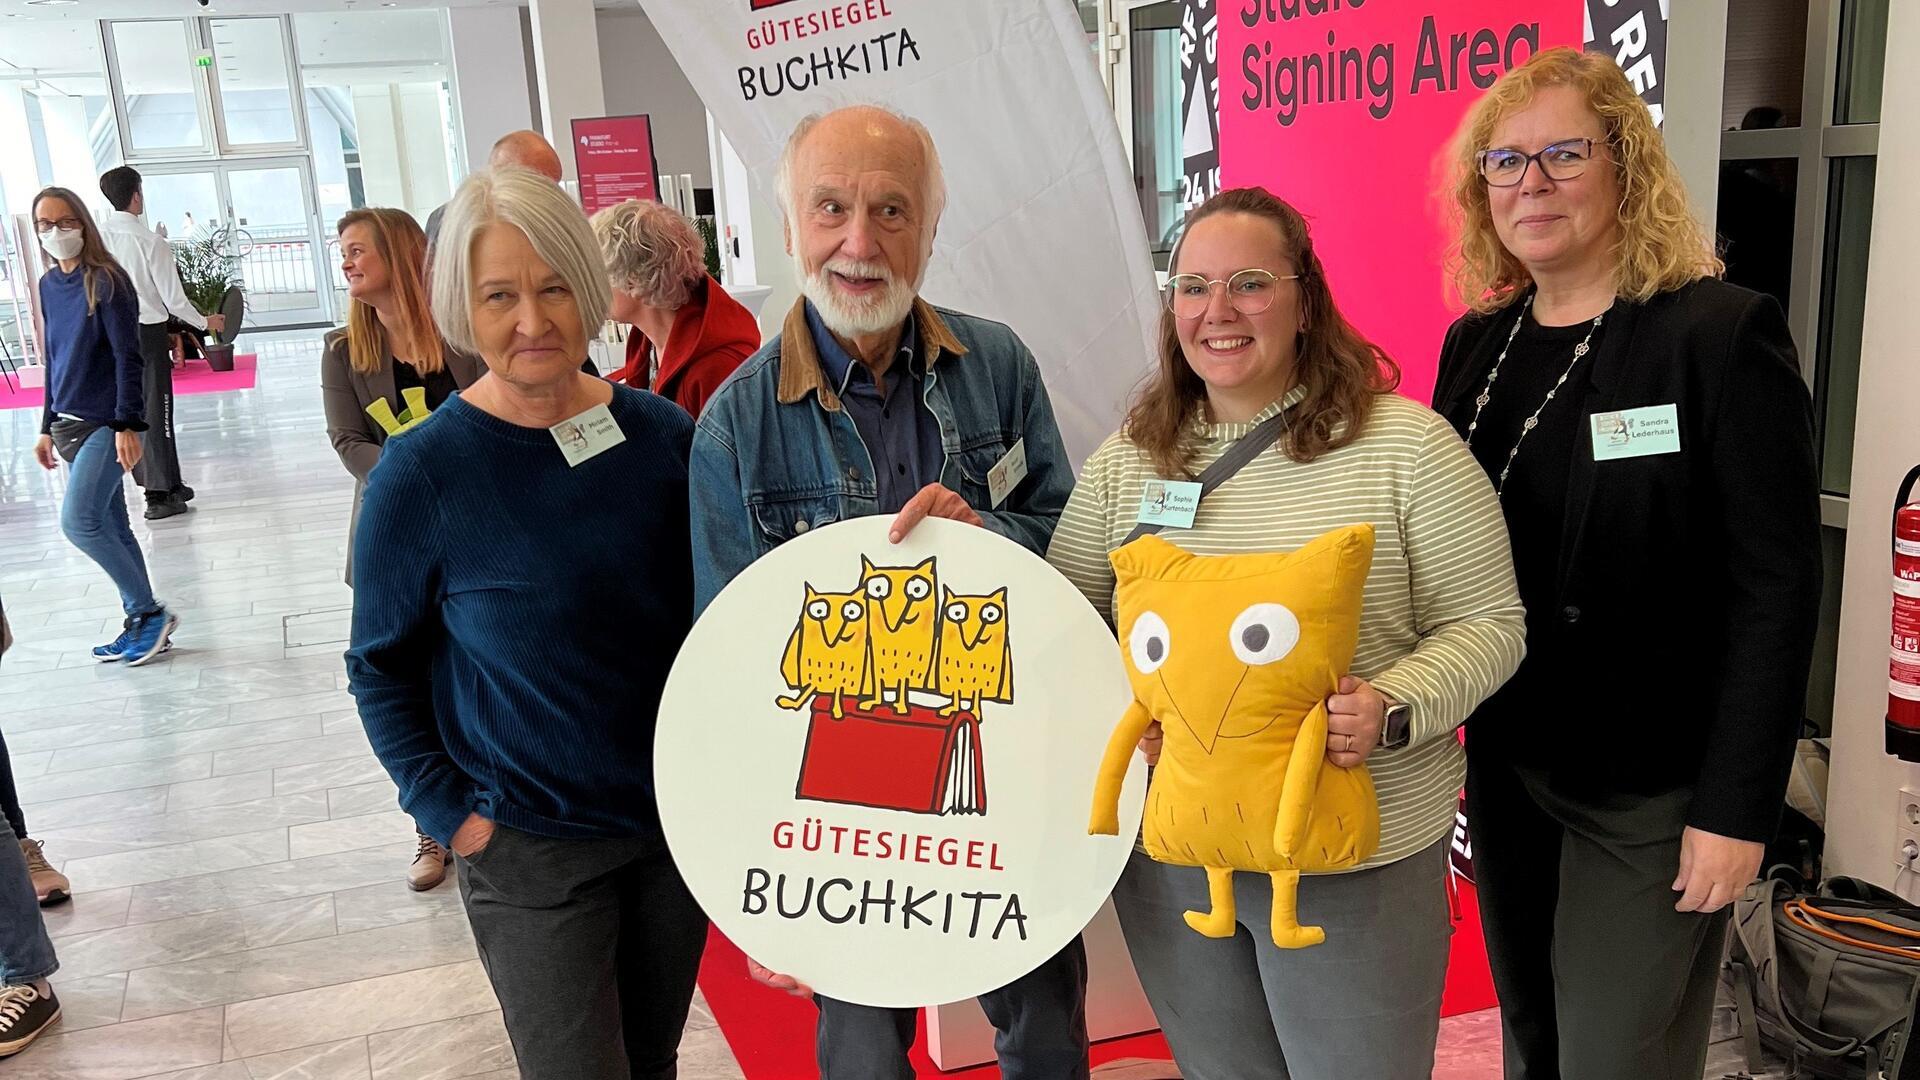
(1287, 931)
(1219, 922)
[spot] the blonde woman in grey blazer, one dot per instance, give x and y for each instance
(389, 345)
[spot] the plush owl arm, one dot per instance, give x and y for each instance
(1303, 779)
(1113, 770)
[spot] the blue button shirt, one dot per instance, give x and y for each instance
(901, 433)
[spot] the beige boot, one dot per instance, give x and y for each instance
(50, 885)
(429, 865)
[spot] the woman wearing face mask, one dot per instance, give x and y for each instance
(95, 411)
(388, 346)
(1652, 441)
(1250, 332)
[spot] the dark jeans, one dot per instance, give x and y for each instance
(9, 797)
(1041, 1020)
(1599, 977)
(159, 468)
(592, 947)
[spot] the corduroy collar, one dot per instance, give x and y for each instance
(800, 370)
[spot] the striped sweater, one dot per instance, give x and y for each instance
(1442, 626)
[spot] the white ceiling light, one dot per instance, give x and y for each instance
(51, 3)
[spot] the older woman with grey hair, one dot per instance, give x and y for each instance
(508, 659)
(688, 334)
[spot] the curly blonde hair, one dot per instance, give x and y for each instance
(1661, 247)
(652, 252)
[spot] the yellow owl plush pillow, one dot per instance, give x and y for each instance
(1236, 655)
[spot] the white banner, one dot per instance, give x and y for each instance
(1042, 229)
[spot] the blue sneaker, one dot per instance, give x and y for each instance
(116, 649)
(150, 634)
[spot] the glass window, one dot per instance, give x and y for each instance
(185, 204)
(1158, 162)
(156, 77)
(1756, 223)
(1863, 61)
(1766, 64)
(1843, 304)
(256, 89)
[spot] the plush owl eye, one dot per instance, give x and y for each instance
(879, 588)
(956, 612)
(1149, 643)
(851, 611)
(919, 588)
(991, 614)
(818, 609)
(1264, 633)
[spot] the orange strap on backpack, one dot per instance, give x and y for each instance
(1808, 918)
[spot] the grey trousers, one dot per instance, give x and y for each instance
(1599, 977)
(1040, 1020)
(592, 947)
(1364, 1004)
(159, 468)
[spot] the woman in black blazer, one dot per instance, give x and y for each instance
(1652, 440)
(388, 346)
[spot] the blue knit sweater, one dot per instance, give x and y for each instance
(93, 359)
(514, 619)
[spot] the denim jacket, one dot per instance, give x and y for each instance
(775, 454)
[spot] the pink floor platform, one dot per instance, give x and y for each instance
(194, 378)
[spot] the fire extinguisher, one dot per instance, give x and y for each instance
(1903, 672)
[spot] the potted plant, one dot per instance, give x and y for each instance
(207, 272)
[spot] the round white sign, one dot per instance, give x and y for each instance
(875, 763)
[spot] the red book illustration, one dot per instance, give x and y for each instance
(921, 762)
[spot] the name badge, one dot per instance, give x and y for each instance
(1636, 433)
(1169, 503)
(1007, 474)
(587, 435)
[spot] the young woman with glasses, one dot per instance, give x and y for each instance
(1652, 441)
(95, 411)
(1250, 329)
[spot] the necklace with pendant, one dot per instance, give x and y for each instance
(1486, 393)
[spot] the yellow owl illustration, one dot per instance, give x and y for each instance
(975, 663)
(827, 653)
(1236, 656)
(902, 619)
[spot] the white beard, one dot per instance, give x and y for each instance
(851, 316)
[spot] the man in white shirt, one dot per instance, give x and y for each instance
(148, 260)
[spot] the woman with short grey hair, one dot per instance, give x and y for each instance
(688, 334)
(524, 583)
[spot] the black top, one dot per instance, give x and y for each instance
(1671, 614)
(440, 385)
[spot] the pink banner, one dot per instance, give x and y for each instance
(614, 157)
(1344, 108)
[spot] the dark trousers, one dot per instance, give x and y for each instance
(1598, 976)
(159, 468)
(1041, 1020)
(592, 947)
(9, 796)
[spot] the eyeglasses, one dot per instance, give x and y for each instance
(43, 226)
(1250, 291)
(1507, 167)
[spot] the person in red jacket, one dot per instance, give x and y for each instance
(688, 334)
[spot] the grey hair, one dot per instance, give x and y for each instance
(652, 252)
(936, 176)
(551, 221)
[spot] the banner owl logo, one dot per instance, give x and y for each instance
(827, 652)
(902, 625)
(975, 660)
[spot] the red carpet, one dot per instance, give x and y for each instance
(195, 378)
(772, 1034)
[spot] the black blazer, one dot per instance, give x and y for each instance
(1682, 627)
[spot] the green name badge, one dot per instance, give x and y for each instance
(1169, 503)
(1636, 433)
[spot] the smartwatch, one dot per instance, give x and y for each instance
(1397, 732)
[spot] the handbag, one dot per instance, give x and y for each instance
(1829, 980)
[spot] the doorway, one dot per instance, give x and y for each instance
(258, 211)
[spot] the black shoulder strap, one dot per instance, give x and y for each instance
(1237, 457)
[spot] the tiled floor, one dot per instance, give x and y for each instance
(240, 911)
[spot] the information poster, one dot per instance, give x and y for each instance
(614, 158)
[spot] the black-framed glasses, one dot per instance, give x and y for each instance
(1250, 291)
(43, 226)
(1564, 160)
